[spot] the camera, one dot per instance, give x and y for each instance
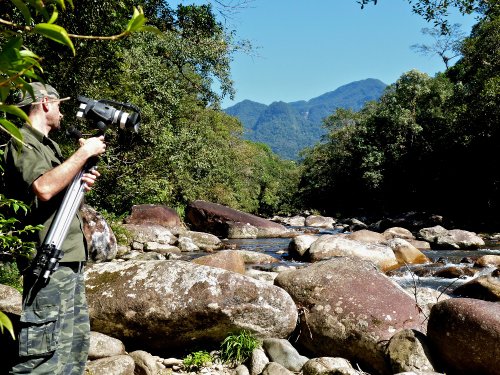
(104, 114)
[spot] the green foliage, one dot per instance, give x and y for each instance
(197, 360)
(237, 348)
(6, 323)
(9, 275)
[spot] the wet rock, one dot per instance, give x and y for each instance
(463, 335)
(349, 309)
(176, 305)
(488, 260)
(485, 287)
(406, 253)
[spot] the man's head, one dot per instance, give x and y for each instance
(42, 105)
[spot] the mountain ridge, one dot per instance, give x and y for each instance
(289, 127)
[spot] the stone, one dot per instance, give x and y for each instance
(366, 236)
(349, 309)
(408, 351)
(283, 352)
(102, 346)
(101, 240)
(173, 305)
(485, 287)
(145, 363)
(406, 253)
(325, 365)
(147, 214)
(226, 259)
(463, 335)
(258, 361)
(116, 365)
(205, 241)
(10, 300)
(241, 230)
(273, 368)
(150, 233)
(299, 245)
(398, 232)
(488, 261)
(319, 221)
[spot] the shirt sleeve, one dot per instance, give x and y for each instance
(30, 163)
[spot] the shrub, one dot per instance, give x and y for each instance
(197, 360)
(237, 348)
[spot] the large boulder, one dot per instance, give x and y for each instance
(229, 260)
(330, 245)
(217, 219)
(463, 335)
(442, 238)
(486, 287)
(100, 238)
(147, 214)
(350, 309)
(168, 306)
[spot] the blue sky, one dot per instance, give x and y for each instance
(306, 48)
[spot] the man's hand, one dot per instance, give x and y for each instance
(94, 146)
(89, 179)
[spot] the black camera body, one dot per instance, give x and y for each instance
(103, 114)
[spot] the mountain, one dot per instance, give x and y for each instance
(289, 127)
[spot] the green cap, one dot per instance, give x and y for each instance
(40, 90)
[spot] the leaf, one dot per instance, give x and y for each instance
(54, 16)
(13, 110)
(5, 322)
(11, 129)
(24, 10)
(56, 33)
(137, 20)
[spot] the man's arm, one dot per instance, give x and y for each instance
(54, 181)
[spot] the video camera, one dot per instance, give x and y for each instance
(104, 114)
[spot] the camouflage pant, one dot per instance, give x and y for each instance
(55, 329)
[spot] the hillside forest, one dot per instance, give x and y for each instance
(428, 144)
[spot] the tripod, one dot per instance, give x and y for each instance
(50, 253)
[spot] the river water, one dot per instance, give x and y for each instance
(405, 276)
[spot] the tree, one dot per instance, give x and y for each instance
(446, 46)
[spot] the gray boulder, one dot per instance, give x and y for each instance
(116, 365)
(408, 351)
(165, 306)
(100, 238)
(282, 352)
(102, 346)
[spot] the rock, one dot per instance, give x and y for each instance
(454, 272)
(101, 240)
(273, 368)
(463, 335)
(326, 366)
(145, 363)
(265, 276)
(408, 351)
(327, 246)
(349, 309)
(117, 365)
(488, 261)
(186, 244)
(282, 352)
(254, 257)
(205, 241)
(299, 245)
(151, 233)
(442, 238)
(398, 232)
(406, 253)
(102, 346)
(242, 230)
(355, 225)
(10, 300)
(148, 214)
(421, 245)
(485, 287)
(214, 218)
(366, 236)
(258, 361)
(425, 298)
(241, 370)
(296, 221)
(227, 259)
(319, 221)
(165, 306)
(163, 249)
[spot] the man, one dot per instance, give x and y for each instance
(55, 329)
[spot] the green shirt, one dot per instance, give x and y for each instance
(22, 168)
